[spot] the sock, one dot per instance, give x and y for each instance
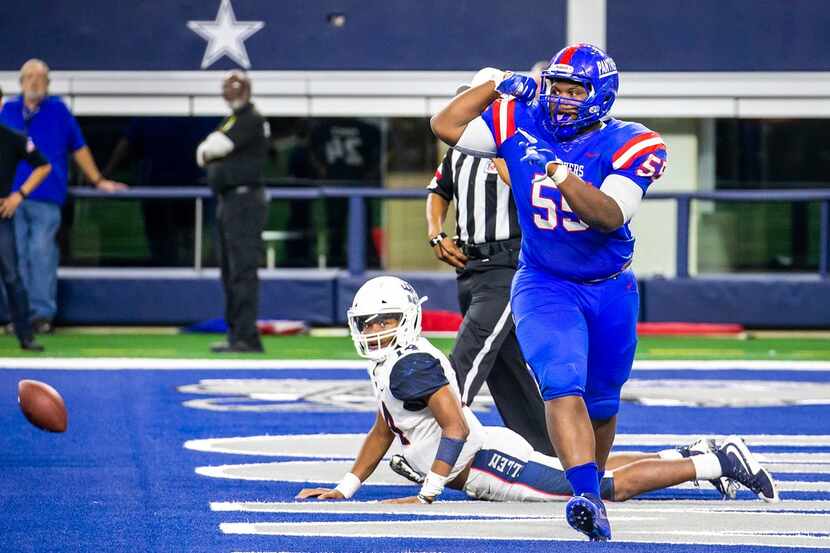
(707, 466)
(670, 454)
(584, 479)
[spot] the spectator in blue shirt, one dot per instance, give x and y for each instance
(51, 127)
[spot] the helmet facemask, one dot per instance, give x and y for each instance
(562, 123)
(378, 344)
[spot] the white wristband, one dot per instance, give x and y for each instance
(560, 174)
(433, 485)
(349, 485)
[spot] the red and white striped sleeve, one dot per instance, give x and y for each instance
(635, 148)
(504, 119)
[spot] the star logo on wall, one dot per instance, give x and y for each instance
(225, 36)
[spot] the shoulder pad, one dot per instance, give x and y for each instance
(416, 376)
(632, 142)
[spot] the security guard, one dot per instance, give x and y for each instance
(234, 156)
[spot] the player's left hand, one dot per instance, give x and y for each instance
(9, 204)
(403, 500)
(106, 185)
(519, 86)
(538, 157)
(319, 493)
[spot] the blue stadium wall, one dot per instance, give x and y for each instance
(322, 297)
(642, 35)
(432, 35)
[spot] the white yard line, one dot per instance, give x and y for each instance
(131, 363)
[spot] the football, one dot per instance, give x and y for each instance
(42, 405)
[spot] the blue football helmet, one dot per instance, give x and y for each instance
(595, 71)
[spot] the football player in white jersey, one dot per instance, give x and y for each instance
(443, 441)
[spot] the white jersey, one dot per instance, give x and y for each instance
(402, 384)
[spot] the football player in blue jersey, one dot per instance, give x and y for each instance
(578, 177)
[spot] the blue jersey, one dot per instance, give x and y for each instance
(56, 133)
(554, 240)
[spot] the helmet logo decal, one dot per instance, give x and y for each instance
(561, 68)
(605, 67)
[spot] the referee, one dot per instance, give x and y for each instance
(485, 258)
(234, 157)
(14, 148)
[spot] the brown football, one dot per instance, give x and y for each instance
(42, 405)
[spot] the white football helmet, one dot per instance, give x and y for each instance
(383, 298)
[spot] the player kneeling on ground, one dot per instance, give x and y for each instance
(443, 441)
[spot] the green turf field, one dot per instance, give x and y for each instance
(78, 344)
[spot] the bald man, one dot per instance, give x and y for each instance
(47, 122)
(234, 157)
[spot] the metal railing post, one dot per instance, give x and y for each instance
(357, 235)
(197, 237)
(824, 239)
(683, 212)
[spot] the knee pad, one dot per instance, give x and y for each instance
(602, 408)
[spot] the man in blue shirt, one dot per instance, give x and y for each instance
(47, 122)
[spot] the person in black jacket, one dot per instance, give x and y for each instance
(14, 148)
(234, 156)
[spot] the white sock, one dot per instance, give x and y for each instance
(670, 454)
(707, 466)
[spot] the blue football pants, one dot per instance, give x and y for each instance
(579, 339)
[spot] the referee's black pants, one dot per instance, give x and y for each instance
(486, 349)
(240, 219)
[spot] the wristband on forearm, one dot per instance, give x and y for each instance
(448, 450)
(560, 174)
(349, 485)
(23, 193)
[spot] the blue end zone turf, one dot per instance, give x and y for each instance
(120, 479)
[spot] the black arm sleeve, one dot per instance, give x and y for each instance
(442, 183)
(27, 151)
(414, 378)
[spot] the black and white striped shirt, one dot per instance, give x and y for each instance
(485, 211)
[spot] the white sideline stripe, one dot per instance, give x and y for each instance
(131, 363)
(433, 529)
(488, 344)
(522, 510)
(147, 364)
(322, 471)
(731, 364)
(344, 447)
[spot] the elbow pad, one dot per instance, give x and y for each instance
(625, 193)
(477, 140)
